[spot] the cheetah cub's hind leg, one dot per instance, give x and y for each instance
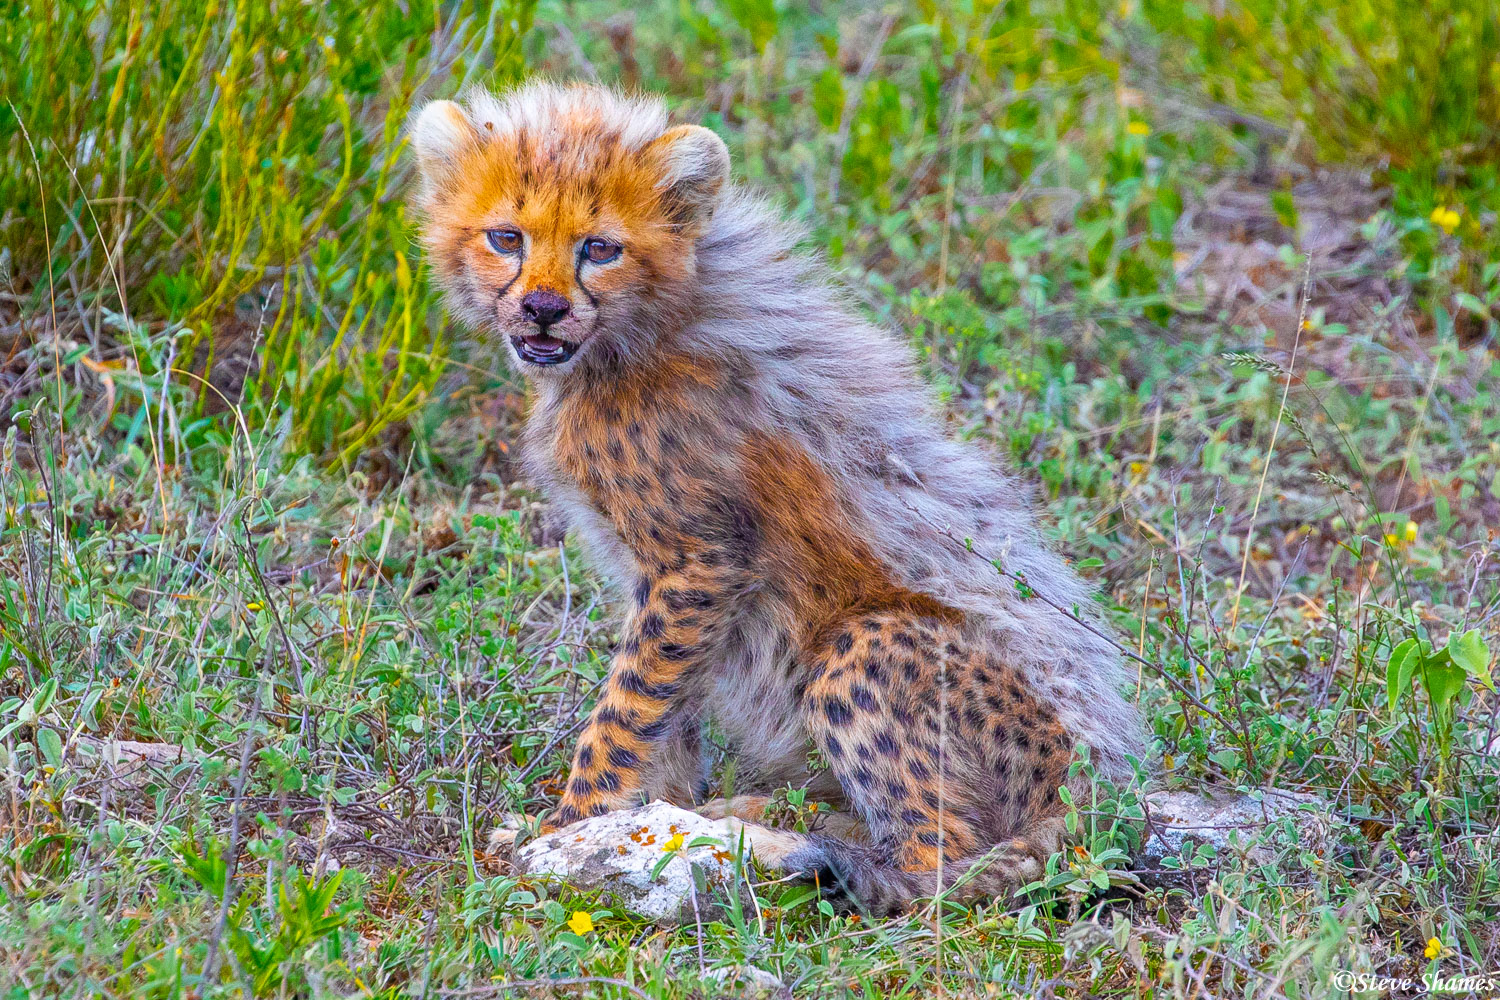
(952, 761)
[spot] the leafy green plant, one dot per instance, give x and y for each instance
(265, 939)
(238, 184)
(1443, 675)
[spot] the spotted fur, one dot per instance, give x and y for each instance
(761, 473)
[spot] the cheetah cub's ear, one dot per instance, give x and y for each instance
(692, 164)
(440, 133)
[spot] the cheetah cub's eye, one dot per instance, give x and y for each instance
(601, 251)
(504, 241)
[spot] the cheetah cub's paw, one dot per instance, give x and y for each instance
(502, 839)
(768, 846)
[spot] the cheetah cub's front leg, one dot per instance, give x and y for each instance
(642, 741)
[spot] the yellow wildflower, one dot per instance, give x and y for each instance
(580, 922)
(1445, 217)
(1434, 948)
(1411, 532)
(255, 606)
(674, 843)
(1141, 128)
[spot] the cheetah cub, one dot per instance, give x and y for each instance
(760, 472)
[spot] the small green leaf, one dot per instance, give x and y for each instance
(1405, 659)
(1470, 652)
(797, 897)
(50, 744)
(1443, 685)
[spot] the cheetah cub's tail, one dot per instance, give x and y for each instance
(867, 877)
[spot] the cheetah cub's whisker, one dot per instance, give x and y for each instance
(758, 469)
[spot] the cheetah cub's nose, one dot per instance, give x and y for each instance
(544, 307)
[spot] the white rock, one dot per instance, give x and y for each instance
(1180, 817)
(618, 851)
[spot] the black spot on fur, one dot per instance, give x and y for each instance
(630, 680)
(676, 652)
(863, 698)
(652, 626)
(682, 600)
(585, 756)
(843, 644)
(580, 788)
(607, 781)
(887, 745)
(653, 730)
(732, 526)
(624, 758)
(643, 590)
(837, 710)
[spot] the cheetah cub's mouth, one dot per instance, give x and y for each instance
(543, 349)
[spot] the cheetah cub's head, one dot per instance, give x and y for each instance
(565, 218)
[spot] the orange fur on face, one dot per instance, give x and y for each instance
(557, 186)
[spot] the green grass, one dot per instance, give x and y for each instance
(340, 601)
